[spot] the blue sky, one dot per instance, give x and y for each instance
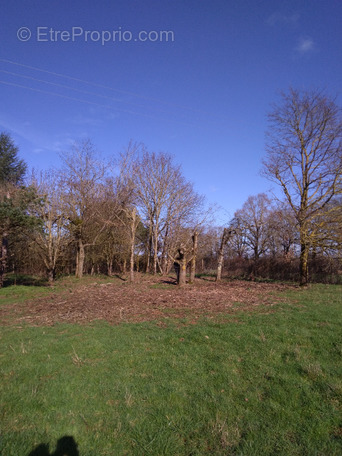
(202, 95)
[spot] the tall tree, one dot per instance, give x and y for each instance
(304, 156)
(184, 211)
(238, 243)
(81, 180)
(227, 233)
(253, 218)
(166, 202)
(51, 239)
(122, 215)
(326, 230)
(155, 175)
(12, 169)
(283, 233)
(15, 217)
(15, 199)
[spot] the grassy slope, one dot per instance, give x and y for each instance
(259, 384)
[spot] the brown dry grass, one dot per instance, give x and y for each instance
(149, 299)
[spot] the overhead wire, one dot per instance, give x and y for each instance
(87, 101)
(99, 85)
(85, 92)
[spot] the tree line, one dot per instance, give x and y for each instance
(137, 211)
(130, 213)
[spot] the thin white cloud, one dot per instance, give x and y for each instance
(20, 129)
(305, 45)
(282, 19)
(40, 142)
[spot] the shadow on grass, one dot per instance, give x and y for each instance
(118, 276)
(66, 446)
(26, 280)
(170, 281)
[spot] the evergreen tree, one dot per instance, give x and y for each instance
(15, 199)
(12, 169)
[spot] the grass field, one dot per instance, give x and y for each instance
(251, 383)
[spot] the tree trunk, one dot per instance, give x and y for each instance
(80, 259)
(180, 267)
(51, 273)
(110, 267)
(224, 240)
(164, 256)
(3, 259)
(133, 228)
(255, 268)
(182, 273)
(168, 266)
(177, 269)
(194, 255)
(149, 249)
(77, 261)
(304, 268)
(155, 249)
(304, 254)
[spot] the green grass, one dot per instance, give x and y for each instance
(165, 286)
(255, 384)
(23, 288)
(21, 293)
(24, 279)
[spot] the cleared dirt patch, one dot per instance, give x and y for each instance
(150, 299)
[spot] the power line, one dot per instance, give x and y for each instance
(88, 102)
(99, 85)
(86, 92)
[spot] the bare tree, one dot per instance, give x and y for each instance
(224, 239)
(52, 238)
(283, 232)
(304, 156)
(238, 244)
(81, 181)
(155, 175)
(124, 195)
(326, 230)
(253, 220)
(167, 203)
(208, 241)
(184, 212)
